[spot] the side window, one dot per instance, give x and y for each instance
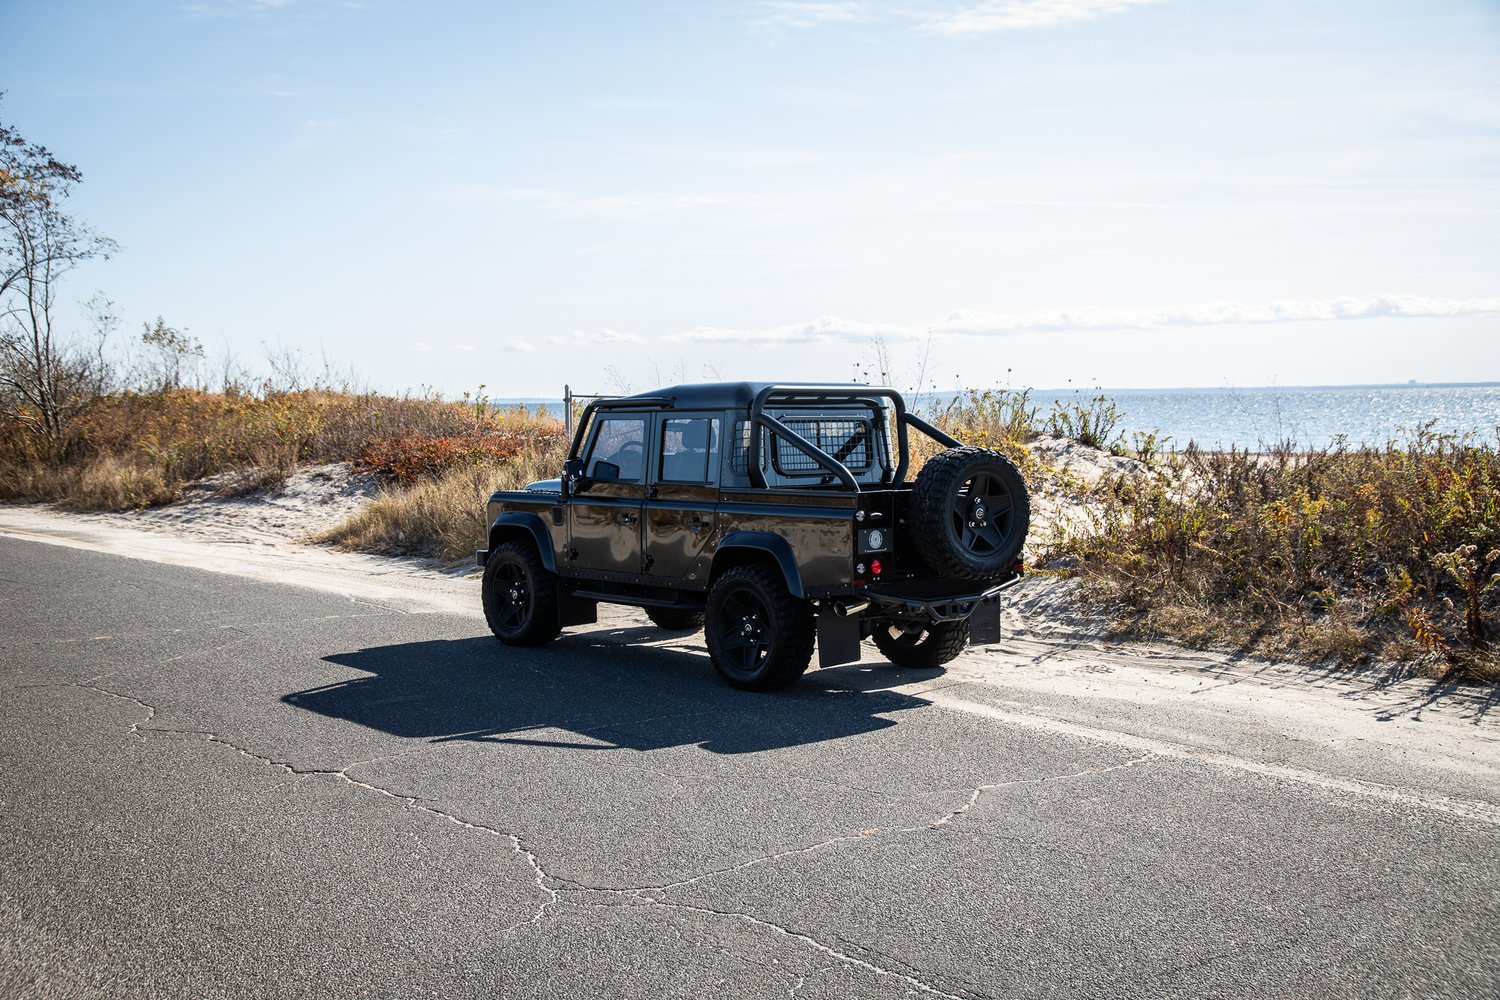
(618, 453)
(690, 450)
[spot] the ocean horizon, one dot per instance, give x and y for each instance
(1306, 416)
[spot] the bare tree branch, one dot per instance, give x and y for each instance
(42, 382)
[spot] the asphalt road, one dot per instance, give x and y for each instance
(217, 787)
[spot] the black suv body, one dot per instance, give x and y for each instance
(778, 513)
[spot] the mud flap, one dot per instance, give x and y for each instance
(838, 638)
(984, 623)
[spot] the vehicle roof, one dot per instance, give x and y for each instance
(727, 395)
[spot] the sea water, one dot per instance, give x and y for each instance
(1307, 416)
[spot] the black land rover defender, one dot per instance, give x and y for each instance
(767, 515)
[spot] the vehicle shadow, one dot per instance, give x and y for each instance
(595, 686)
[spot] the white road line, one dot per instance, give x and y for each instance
(1484, 812)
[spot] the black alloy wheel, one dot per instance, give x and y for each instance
(760, 637)
(520, 596)
(981, 514)
(743, 620)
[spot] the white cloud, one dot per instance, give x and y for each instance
(234, 8)
(941, 18)
(975, 323)
(504, 347)
(1011, 15)
(810, 13)
(824, 329)
(597, 337)
(1219, 313)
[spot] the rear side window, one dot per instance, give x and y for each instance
(739, 458)
(847, 439)
(690, 450)
(851, 437)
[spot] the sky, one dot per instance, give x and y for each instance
(1125, 193)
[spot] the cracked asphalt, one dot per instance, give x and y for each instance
(213, 786)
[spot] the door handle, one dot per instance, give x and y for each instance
(697, 524)
(626, 520)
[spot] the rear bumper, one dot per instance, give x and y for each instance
(934, 607)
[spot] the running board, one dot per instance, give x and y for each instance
(636, 600)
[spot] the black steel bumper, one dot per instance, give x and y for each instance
(935, 608)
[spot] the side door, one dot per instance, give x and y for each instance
(604, 520)
(684, 494)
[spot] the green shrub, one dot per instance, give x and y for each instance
(1091, 421)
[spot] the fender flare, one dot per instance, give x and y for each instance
(521, 520)
(775, 546)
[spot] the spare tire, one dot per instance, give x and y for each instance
(970, 513)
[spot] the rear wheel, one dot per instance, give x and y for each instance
(760, 637)
(674, 620)
(520, 596)
(915, 645)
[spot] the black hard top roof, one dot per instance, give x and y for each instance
(729, 395)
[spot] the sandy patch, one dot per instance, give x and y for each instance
(1088, 464)
(1061, 507)
(314, 499)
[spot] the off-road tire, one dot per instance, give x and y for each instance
(932, 646)
(675, 621)
(520, 596)
(760, 637)
(960, 533)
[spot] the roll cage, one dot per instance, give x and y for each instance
(793, 395)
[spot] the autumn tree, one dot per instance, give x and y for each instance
(44, 379)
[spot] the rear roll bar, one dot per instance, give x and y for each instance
(869, 396)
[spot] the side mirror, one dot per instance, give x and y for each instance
(573, 478)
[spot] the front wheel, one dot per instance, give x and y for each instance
(923, 646)
(760, 637)
(520, 596)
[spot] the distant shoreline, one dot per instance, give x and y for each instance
(1106, 390)
(1370, 414)
(1277, 388)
